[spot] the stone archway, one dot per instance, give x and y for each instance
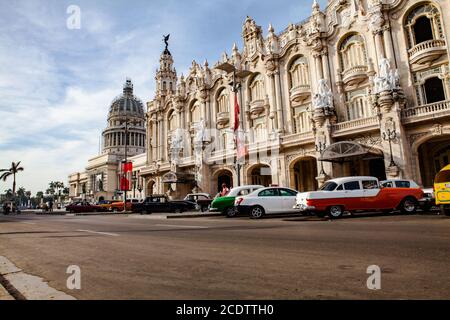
(432, 155)
(302, 174)
(150, 188)
(220, 177)
(260, 174)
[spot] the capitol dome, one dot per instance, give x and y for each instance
(125, 108)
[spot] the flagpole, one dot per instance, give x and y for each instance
(236, 87)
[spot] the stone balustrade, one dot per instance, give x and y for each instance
(427, 111)
(363, 124)
(427, 51)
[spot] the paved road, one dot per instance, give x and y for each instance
(217, 258)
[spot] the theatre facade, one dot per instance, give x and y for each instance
(361, 87)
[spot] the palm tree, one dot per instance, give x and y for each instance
(15, 168)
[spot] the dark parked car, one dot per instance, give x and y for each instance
(84, 206)
(202, 199)
(160, 203)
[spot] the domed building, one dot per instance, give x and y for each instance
(125, 108)
(124, 137)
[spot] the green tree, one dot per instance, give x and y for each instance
(13, 171)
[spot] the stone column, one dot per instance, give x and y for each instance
(390, 54)
(326, 66)
(318, 64)
(160, 139)
(280, 115)
(379, 46)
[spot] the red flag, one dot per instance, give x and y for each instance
(127, 169)
(237, 111)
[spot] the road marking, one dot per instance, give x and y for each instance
(102, 233)
(181, 226)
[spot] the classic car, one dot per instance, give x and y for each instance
(426, 203)
(84, 206)
(202, 199)
(266, 201)
(117, 206)
(442, 190)
(160, 203)
(355, 194)
(226, 204)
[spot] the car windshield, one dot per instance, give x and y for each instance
(328, 186)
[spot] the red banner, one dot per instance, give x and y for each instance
(127, 169)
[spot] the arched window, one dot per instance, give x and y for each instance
(434, 90)
(259, 129)
(195, 112)
(299, 72)
(357, 104)
(301, 119)
(257, 89)
(352, 52)
(223, 102)
(422, 24)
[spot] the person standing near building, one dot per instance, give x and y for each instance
(225, 190)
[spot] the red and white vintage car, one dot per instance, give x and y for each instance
(353, 194)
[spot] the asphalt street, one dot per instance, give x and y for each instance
(134, 257)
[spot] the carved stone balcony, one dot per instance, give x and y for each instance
(257, 107)
(355, 126)
(354, 75)
(430, 111)
(223, 118)
(300, 92)
(427, 51)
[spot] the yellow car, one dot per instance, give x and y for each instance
(442, 190)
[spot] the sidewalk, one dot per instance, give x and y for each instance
(4, 295)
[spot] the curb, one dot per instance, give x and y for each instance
(196, 215)
(22, 286)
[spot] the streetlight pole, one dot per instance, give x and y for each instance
(235, 88)
(125, 166)
(320, 147)
(390, 135)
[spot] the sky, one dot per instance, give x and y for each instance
(57, 83)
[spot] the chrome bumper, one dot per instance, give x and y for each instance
(303, 207)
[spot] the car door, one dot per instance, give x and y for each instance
(288, 197)
(371, 191)
(270, 200)
(353, 195)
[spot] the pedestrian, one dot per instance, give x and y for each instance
(225, 190)
(5, 208)
(50, 206)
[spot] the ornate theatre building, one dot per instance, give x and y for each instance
(361, 87)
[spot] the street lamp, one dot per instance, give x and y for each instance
(235, 88)
(390, 135)
(320, 147)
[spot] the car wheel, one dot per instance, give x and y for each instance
(257, 212)
(144, 212)
(204, 209)
(408, 206)
(178, 210)
(231, 212)
(114, 210)
(335, 212)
